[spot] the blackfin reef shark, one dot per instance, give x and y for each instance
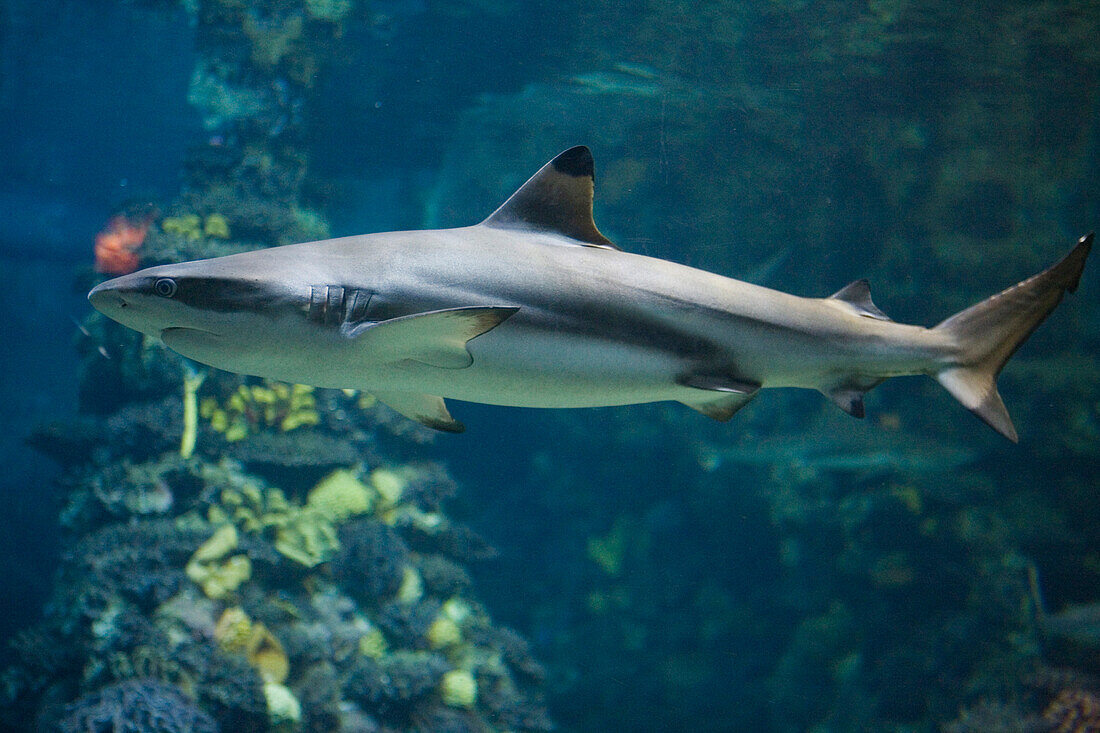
(534, 307)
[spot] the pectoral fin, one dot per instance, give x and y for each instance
(722, 406)
(437, 338)
(426, 409)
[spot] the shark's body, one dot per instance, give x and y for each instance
(534, 307)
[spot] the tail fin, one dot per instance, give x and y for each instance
(989, 333)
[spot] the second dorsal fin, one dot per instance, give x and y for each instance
(556, 199)
(858, 294)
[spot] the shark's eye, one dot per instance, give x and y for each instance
(165, 287)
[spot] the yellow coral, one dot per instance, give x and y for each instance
(458, 689)
(233, 630)
(299, 418)
(218, 418)
(236, 432)
(283, 709)
(221, 543)
(228, 576)
(373, 645)
(308, 538)
(236, 633)
(253, 408)
(389, 485)
(232, 498)
(254, 510)
(341, 495)
(277, 501)
(456, 610)
(443, 632)
(412, 587)
(266, 655)
(188, 226)
(218, 579)
(216, 226)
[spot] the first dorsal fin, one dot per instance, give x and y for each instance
(556, 199)
(858, 294)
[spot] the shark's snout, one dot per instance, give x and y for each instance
(122, 299)
(106, 299)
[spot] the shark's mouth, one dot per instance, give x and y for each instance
(183, 331)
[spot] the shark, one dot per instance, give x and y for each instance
(535, 307)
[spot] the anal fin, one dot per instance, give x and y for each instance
(848, 396)
(849, 400)
(428, 410)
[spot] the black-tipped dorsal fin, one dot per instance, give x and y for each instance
(858, 295)
(556, 199)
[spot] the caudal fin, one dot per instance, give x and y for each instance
(988, 334)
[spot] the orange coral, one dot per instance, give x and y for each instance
(116, 246)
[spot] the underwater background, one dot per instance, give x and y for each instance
(315, 562)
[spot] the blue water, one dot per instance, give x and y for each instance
(791, 570)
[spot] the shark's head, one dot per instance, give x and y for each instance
(224, 312)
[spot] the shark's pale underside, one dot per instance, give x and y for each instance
(534, 307)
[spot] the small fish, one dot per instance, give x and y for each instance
(534, 307)
(618, 83)
(642, 71)
(99, 345)
(860, 454)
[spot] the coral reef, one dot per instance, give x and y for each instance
(329, 599)
(272, 610)
(136, 706)
(393, 685)
(372, 560)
